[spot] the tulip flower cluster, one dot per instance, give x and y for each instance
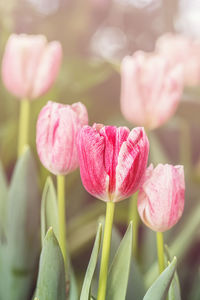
(112, 160)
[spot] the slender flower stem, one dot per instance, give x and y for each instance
(61, 216)
(134, 216)
(160, 250)
(185, 150)
(110, 208)
(23, 125)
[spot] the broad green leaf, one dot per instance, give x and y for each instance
(3, 201)
(85, 293)
(49, 209)
(174, 290)
(136, 288)
(119, 270)
(23, 214)
(51, 278)
(20, 252)
(160, 288)
(49, 218)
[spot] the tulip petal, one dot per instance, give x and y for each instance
(91, 159)
(47, 69)
(132, 163)
(114, 138)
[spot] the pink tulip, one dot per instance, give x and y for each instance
(112, 160)
(57, 129)
(30, 65)
(161, 197)
(150, 89)
(179, 49)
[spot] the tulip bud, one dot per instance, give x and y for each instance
(161, 197)
(56, 134)
(179, 49)
(112, 160)
(30, 65)
(150, 89)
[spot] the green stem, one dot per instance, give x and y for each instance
(160, 250)
(185, 151)
(134, 217)
(110, 208)
(23, 125)
(61, 216)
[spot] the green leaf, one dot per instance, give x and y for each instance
(174, 290)
(159, 289)
(136, 288)
(49, 218)
(49, 209)
(20, 252)
(51, 278)
(85, 293)
(23, 214)
(3, 201)
(119, 270)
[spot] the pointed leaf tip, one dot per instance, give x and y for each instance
(160, 288)
(85, 293)
(120, 268)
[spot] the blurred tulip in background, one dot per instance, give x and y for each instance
(30, 65)
(150, 89)
(180, 49)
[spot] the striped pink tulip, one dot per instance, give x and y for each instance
(150, 89)
(161, 197)
(112, 160)
(180, 49)
(30, 65)
(56, 135)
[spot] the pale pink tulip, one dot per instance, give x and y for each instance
(150, 89)
(30, 65)
(161, 197)
(112, 160)
(56, 135)
(179, 49)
